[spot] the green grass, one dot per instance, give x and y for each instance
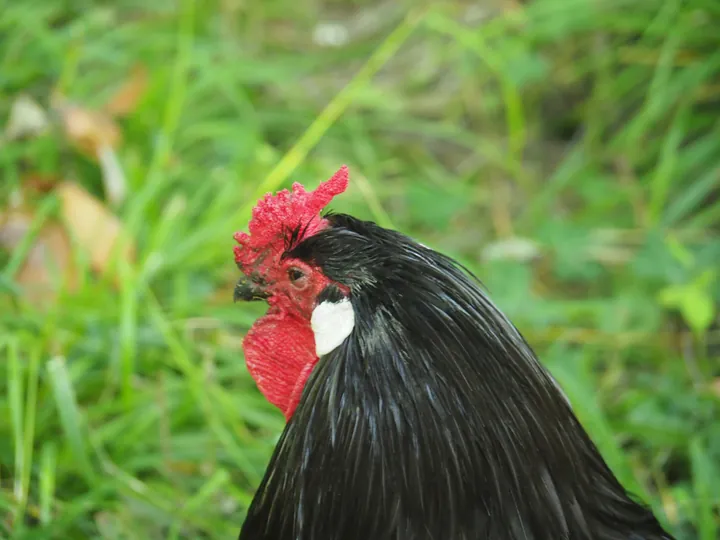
(588, 129)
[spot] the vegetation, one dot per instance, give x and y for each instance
(567, 150)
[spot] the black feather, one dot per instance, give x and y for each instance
(331, 293)
(433, 420)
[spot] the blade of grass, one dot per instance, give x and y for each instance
(128, 314)
(686, 201)
(216, 482)
(70, 417)
(709, 217)
(702, 473)
(369, 160)
(380, 216)
(334, 110)
(15, 403)
(47, 478)
(29, 429)
(666, 167)
(678, 89)
(514, 110)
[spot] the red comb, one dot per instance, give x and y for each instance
(275, 215)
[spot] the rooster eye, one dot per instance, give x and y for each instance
(295, 275)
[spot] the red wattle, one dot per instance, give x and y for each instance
(280, 355)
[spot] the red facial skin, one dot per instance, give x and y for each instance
(280, 347)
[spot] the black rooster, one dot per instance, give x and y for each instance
(416, 410)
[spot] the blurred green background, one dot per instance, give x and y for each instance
(568, 151)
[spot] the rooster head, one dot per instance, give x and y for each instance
(308, 313)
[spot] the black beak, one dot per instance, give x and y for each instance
(248, 290)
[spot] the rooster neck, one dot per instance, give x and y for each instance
(433, 419)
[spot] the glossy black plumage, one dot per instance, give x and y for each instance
(433, 420)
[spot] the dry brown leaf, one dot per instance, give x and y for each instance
(48, 262)
(26, 118)
(40, 183)
(96, 229)
(89, 130)
(715, 387)
(96, 134)
(129, 94)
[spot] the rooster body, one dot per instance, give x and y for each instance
(416, 410)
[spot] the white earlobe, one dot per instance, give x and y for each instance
(331, 323)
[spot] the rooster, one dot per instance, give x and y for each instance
(415, 409)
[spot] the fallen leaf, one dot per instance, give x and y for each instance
(93, 226)
(87, 129)
(40, 183)
(49, 260)
(129, 94)
(715, 387)
(26, 118)
(96, 134)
